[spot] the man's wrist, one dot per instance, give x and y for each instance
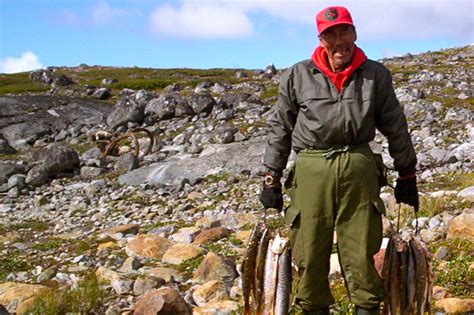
(273, 172)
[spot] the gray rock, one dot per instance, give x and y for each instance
(102, 94)
(91, 154)
(8, 169)
(271, 70)
(127, 162)
(17, 180)
(91, 172)
(430, 236)
(141, 286)
(14, 192)
(467, 193)
(108, 81)
(122, 286)
(131, 264)
(441, 253)
(125, 111)
(5, 148)
(202, 103)
(37, 176)
(235, 158)
(161, 108)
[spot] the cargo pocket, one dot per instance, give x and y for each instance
(381, 170)
(292, 219)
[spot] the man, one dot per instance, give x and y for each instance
(327, 111)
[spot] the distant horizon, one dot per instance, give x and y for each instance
(220, 34)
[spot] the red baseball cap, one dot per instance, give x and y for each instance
(332, 16)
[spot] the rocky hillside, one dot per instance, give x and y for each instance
(157, 223)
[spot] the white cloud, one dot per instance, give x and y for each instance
(28, 61)
(201, 20)
(374, 19)
(103, 13)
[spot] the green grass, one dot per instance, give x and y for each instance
(85, 297)
(50, 244)
(33, 225)
(12, 262)
(17, 83)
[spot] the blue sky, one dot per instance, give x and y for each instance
(214, 33)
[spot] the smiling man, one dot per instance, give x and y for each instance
(327, 111)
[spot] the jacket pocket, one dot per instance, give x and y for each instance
(381, 170)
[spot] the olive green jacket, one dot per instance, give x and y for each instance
(311, 114)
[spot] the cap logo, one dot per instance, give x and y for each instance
(331, 14)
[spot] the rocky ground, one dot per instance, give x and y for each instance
(164, 232)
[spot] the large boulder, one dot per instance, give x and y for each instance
(51, 161)
(462, 226)
(50, 77)
(160, 108)
(202, 103)
(148, 246)
(125, 111)
(215, 267)
(18, 297)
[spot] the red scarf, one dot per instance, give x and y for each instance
(320, 59)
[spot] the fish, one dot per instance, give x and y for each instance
(411, 282)
(420, 275)
(259, 269)
(394, 276)
(268, 285)
(271, 274)
(429, 275)
(248, 265)
(403, 276)
(385, 276)
(283, 289)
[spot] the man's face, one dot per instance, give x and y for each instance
(338, 41)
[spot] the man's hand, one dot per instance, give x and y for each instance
(406, 191)
(271, 195)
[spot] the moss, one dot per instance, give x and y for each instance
(33, 225)
(17, 83)
(12, 261)
(50, 244)
(271, 92)
(188, 267)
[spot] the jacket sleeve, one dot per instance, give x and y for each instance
(392, 123)
(280, 125)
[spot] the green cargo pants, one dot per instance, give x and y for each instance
(338, 190)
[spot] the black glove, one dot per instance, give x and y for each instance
(271, 195)
(406, 191)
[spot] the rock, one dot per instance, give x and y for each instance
(242, 236)
(430, 236)
(439, 293)
(456, 305)
(141, 286)
(8, 169)
(53, 160)
(125, 111)
(441, 253)
(179, 253)
(212, 234)
(271, 70)
(202, 103)
(462, 226)
(226, 307)
(163, 301)
(131, 264)
(106, 274)
(102, 94)
(149, 246)
(17, 181)
(124, 229)
(161, 108)
(167, 274)
(122, 286)
(5, 148)
(18, 297)
(212, 291)
(185, 235)
(91, 172)
(106, 246)
(215, 267)
(127, 162)
(467, 193)
(194, 195)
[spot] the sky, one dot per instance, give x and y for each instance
(204, 34)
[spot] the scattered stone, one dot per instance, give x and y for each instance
(91, 172)
(215, 267)
(102, 94)
(124, 229)
(212, 234)
(127, 162)
(18, 297)
(456, 305)
(148, 246)
(462, 226)
(226, 307)
(163, 301)
(141, 286)
(467, 193)
(179, 253)
(212, 291)
(122, 286)
(131, 264)
(167, 274)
